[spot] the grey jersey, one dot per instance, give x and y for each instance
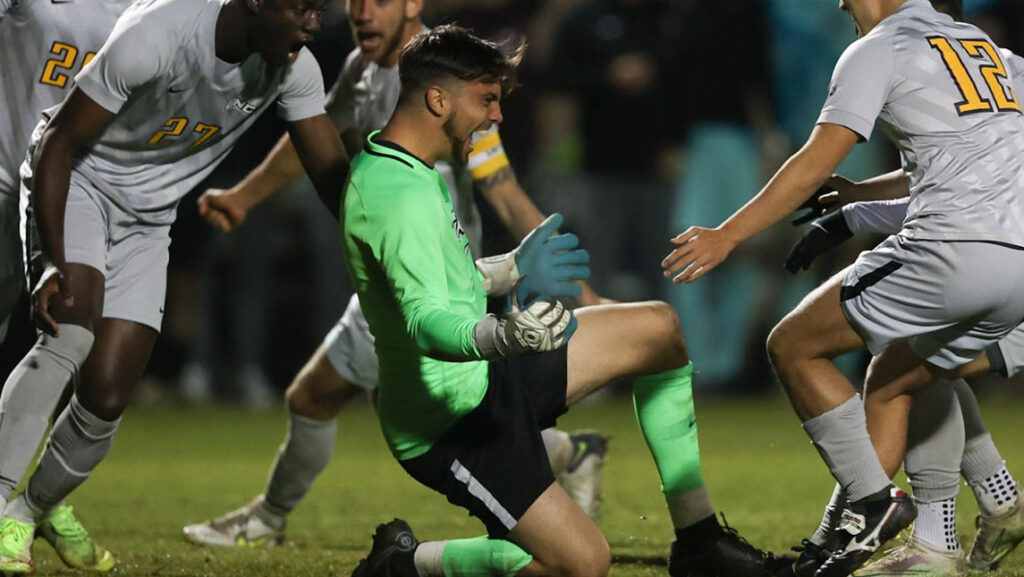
(43, 44)
(942, 92)
(363, 98)
(887, 216)
(179, 109)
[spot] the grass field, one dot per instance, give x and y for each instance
(169, 468)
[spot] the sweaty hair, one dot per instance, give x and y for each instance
(451, 52)
(955, 8)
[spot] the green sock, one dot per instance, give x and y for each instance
(664, 409)
(476, 557)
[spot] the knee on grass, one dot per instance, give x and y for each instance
(589, 560)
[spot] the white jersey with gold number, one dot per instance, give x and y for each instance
(43, 44)
(179, 108)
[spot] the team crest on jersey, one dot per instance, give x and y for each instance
(243, 106)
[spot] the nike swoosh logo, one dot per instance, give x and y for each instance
(61, 1)
(177, 89)
(693, 422)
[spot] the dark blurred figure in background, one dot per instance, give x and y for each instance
(722, 116)
(614, 58)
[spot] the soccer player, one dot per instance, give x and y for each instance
(42, 45)
(164, 100)
(345, 364)
(464, 395)
(929, 299)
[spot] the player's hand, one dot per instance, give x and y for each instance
(823, 200)
(222, 209)
(549, 262)
(54, 282)
(825, 234)
(698, 250)
(545, 325)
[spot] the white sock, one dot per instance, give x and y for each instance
(997, 494)
(558, 445)
(936, 525)
(427, 558)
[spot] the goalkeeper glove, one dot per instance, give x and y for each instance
(544, 265)
(544, 325)
(825, 234)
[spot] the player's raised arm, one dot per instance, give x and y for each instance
(78, 122)
(698, 249)
(323, 156)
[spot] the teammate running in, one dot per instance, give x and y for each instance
(345, 364)
(933, 462)
(42, 45)
(173, 88)
(941, 92)
(463, 395)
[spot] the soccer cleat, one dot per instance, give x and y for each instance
(811, 557)
(996, 537)
(581, 479)
(724, 555)
(16, 546)
(388, 539)
(916, 558)
(72, 543)
(243, 527)
(870, 524)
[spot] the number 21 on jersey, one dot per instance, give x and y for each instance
(993, 70)
(57, 68)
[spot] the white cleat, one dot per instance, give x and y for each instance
(916, 558)
(997, 537)
(581, 479)
(240, 528)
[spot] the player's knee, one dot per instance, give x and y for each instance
(667, 332)
(318, 392)
(781, 346)
(106, 402)
(593, 560)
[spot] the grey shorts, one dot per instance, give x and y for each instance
(132, 255)
(1007, 356)
(349, 347)
(950, 300)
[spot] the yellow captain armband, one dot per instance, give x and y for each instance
(488, 155)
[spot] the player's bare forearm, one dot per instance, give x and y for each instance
(77, 123)
(889, 186)
(280, 167)
(322, 154)
(794, 183)
(508, 199)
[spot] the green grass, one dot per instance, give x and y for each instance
(169, 468)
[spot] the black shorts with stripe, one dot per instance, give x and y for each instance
(492, 461)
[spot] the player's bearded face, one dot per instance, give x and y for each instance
(283, 27)
(377, 26)
(475, 109)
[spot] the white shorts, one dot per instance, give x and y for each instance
(132, 255)
(349, 347)
(951, 300)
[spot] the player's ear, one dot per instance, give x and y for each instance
(413, 8)
(437, 100)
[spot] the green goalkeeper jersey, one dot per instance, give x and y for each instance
(421, 293)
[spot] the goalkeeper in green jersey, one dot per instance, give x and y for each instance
(463, 395)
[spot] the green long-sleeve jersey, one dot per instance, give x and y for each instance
(421, 293)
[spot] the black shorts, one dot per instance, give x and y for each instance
(492, 461)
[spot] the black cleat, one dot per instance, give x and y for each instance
(871, 525)
(388, 540)
(811, 557)
(723, 555)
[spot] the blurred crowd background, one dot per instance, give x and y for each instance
(635, 119)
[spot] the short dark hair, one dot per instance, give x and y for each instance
(955, 8)
(453, 52)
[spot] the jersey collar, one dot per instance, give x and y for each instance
(380, 147)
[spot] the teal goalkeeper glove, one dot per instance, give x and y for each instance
(545, 264)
